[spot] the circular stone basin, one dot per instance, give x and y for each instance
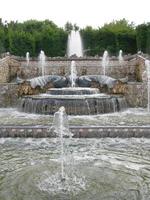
(75, 104)
(73, 91)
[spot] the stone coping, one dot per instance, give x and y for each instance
(73, 97)
(113, 58)
(40, 131)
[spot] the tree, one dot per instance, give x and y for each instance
(141, 37)
(2, 38)
(20, 43)
(148, 39)
(75, 27)
(89, 40)
(68, 27)
(33, 35)
(125, 35)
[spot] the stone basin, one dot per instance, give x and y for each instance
(77, 101)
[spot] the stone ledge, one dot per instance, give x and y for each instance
(78, 131)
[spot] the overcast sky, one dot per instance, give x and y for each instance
(81, 12)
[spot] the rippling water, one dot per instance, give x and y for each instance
(98, 169)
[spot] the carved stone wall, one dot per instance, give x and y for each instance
(136, 94)
(8, 95)
(84, 67)
(135, 90)
(8, 69)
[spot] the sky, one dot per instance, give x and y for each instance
(82, 12)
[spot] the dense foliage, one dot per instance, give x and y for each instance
(112, 37)
(143, 37)
(33, 36)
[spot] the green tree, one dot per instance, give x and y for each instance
(33, 35)
(20, 43)
(68, 27)
(148, 39)
(141, 37)
(2, 40)
(125, 35)
(89, 40)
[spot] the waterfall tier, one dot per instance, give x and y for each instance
(77, 101)
(73, 91)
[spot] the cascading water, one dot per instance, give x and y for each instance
(76, 100)
(73, 75)
(105, 62)
(74, 45)
(42, 62)
(147, 64)
(27, 58)
(120, 57)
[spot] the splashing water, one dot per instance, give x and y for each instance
(147, 64)
(74, 45)
(67, 180)
(54, 185)
(106, 168)
(61, 128)
(105, 62)
(73, 75)
(27, 58)
(120, 57)
(42, 62)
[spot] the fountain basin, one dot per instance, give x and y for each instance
(94, 168)
(73, 91)
(74, 104)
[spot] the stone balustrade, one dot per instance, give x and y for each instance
(78, 131)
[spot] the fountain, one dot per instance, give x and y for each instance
(102, 172)
(27, 58)
(42, 62)
(73, 168)
(120, 57)
(74, 45)
(73, 75)
(61, 128)
(77, 101)
(80, 100)
(105, 62)
(68, 181)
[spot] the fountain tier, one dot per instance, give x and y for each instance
(73, 91)
(77, 101)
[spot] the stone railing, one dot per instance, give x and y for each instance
(78, 131)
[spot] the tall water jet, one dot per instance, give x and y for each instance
(147, 64)
(42, 62)
(120, 57)
(105, 62)
(74, 45)
(61, 127)
(27, 58)
(73, 75)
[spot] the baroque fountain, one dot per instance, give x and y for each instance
(65, 167)
(73, 92)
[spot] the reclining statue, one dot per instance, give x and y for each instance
(42, 83)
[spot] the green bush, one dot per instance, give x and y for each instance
(33, 36)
